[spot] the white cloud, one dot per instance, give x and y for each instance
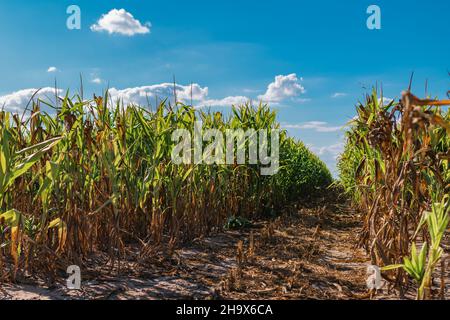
(339, 95)
(121, 22)
(333, 150)
(282, 88)
(145, 94)
(97, 80)
(52, 69)
(225, 102)
(318, 126)
(17, 101)
(199, 95)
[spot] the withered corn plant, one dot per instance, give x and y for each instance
(396, 161)
(98, 175)
(421, 265)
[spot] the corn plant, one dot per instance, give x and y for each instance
(13, 165)
(418, 266)
(393, 153)
(98, 175)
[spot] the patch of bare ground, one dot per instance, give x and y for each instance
(307, 253)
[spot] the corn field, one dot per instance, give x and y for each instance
(396, 169)
(97, 175)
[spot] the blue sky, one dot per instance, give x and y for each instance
(235, 49)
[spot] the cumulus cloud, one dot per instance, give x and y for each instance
(142, 95)
(225, 102)
(318, 126)
(52, 69)
(284, 87)
(199, 95)
(17, 101)
(339, 95)
(121, 22)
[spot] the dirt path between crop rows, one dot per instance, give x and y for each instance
(307, 254)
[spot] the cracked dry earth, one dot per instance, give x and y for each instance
(307, 254)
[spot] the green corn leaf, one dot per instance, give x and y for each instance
(422, 258)
(392, 267)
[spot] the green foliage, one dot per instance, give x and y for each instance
(302, 173)
(98, 174)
